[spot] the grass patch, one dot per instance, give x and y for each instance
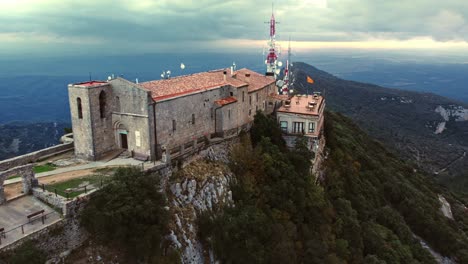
(44, 168)
(13, 177)
(76, 186)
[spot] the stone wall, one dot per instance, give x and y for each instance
(57, 239)
(34, 156)
(128, 111)
(27, 174)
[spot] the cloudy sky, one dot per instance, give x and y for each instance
(57, 27)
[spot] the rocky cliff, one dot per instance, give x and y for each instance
(203, 185)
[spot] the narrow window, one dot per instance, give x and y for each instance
(243, 96)
(250, 112)
(80, 108)
(250, 99)
(311, 127)
(284, 126)
(193, 119)
(231, 93)
(256, 95)
(173, 125)
(102, 104)
(229, 113)
(117, 104)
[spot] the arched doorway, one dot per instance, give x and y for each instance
(121, 135)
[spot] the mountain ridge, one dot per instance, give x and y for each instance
(405, 121)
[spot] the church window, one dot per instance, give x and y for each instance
(80, 108)
(117, 104)
(102, 104)
(243, 96)
(250, 99)
(193, 119)
(173, 125)
(229, 113)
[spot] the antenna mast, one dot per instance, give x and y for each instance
(272, 63)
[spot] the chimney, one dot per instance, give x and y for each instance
(224, 75)
(247, 77)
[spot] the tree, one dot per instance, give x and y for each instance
(129, 211)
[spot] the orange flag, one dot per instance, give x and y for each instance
(310, 80)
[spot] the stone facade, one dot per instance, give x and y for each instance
(166, 116)
(114, 114)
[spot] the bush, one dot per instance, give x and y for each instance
(129, 212)
(27, 253)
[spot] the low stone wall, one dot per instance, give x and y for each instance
(57, 239)
(34, 156)
(27, 174)
(49, 198)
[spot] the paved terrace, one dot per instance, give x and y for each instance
(13, 218)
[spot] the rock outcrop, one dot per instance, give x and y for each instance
(201, 186)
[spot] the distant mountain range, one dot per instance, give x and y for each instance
(429, 129)
(21, 138)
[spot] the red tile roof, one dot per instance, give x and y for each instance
(187, 84)
(256, 80)
(226, 101)
(91, 83)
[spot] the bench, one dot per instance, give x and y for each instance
(35, 216)
(139, 156)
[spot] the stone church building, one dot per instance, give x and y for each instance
(168, 115)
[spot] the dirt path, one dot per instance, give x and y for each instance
(15, 189)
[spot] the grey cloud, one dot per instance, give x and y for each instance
(117, 22)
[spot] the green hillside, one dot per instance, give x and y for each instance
(366, 211)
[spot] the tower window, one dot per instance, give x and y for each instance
(80, 108)
(102, 104)
(250, 99)
(243, 96)
(173, 125)
(117, 104)
(193, 119)
(229, 113)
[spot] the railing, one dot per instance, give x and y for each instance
(23, 228)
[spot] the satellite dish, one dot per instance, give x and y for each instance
(168, 72)
(266, 62)
(182, 66)
(277, 71)
(162, 75)
(280, 63)
(291, 91)
(109, 78)
(291, 64)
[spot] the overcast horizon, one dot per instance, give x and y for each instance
(42, 28)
